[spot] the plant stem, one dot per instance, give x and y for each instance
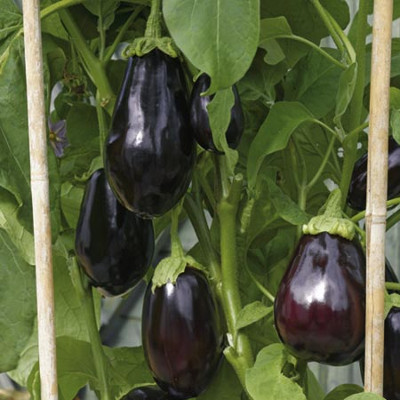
(93, 66)
(153, 26)
(261, 287)
(102, 124)
(329, 129)
(58, 6)
(121, 33)
(392, 286)
(314, 46)
(85, 293)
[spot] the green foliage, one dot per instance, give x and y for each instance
(295, 95)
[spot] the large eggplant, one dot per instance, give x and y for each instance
(181, 337)
(150, 149)
(320, 304)
(356, 197)
(199, 116)
(113, 246)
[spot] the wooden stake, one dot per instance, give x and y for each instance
(40, 200)
(377, 194)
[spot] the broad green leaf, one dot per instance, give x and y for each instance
(71, 198)
(395, 98)
(265, 381)
(365, 396)
(105, 10)
(252, 313)
(343, 391)
(223, 36)
(313, 387)
(286, 208)
(224, 386)
(10, 18)
(219, 112)
(395, 124)
(18, 305)
(52, 23)
(391, 300)
(345, 92)
(274, 134)
(313, 82)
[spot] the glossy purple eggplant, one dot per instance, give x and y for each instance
(356, 197)
(145, 393)
(181, 337)
(391, 374)
(114, 247)
(320, 304)
(150, 150)
(199, 116)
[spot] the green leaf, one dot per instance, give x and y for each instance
(223, 36)
(343, 391)
(18, 305)
(395, 124)
(313, 82)
(10, 18)
(391, 300)
(105, 10)
(265, 381)
(285, 207)
(71, 199)
(313, 387)
(274, 134)
(345, 92)
(365, 396)
(252, 313)
(224, 386)
(219, 113)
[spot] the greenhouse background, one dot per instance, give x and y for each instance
(121, 317)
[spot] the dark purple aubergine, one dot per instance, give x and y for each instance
(320, 304)
(391, 373)
(150, 150)
(181, 335)
(357, 195)
(145, 393)
(199, 117)
(114, 247)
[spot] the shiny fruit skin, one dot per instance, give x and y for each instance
(145, 393)
(181, 337)
(150, 150)
(391, 374)
(320, 304)
(356, 197)
(113, 246)
(199, 117)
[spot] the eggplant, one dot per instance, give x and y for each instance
(113, 246)
(357, 195)
(199, 117)
(182, 339)
(150, 150)
(320, 304)
(145, 393)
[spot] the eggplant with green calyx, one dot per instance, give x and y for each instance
(356, 197)
(150, 150)
(181, 336)
(199, 117)
(114, 246)
(320, 304)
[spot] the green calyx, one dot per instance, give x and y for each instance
(331, 219)
(152, 37)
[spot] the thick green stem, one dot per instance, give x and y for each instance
(58, 6)
(228, 208)
(176, 245)
(85, 293)
(392, 286)
(102, 125)
(153, 27)
(93, 66)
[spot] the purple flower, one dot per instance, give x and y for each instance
(58, 136)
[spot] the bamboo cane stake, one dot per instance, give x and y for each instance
(377, 194)
(40, 200)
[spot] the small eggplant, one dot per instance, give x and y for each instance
(114, 247)
(199, 117)
(181, 336)
(150, 150)
(320, 304)
(145, 393)
(356, 197)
